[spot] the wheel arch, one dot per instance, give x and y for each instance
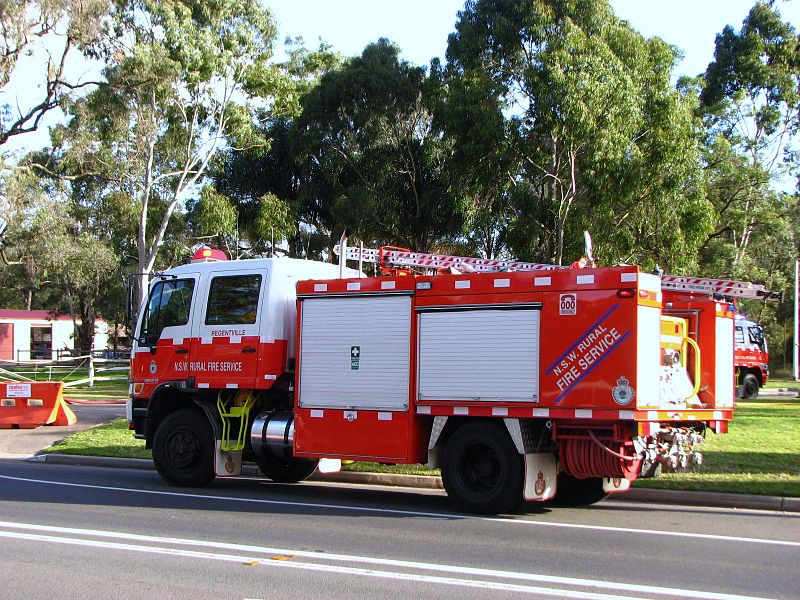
(166, 399)
(444, 428)
(743, 372)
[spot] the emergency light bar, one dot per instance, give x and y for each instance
(208, 255)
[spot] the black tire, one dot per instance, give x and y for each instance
(287, 471)
(750, 386)
(482, 471)
(183, 449)
(577, 492)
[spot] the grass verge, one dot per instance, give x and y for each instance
(112, 439)
(781, 382)
(760, 455)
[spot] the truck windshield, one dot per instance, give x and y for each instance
(168, 306)
(757, 337)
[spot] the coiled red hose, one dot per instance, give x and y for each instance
(589, 457)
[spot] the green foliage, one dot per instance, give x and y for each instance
(597, 135)
(170, 99)
(548, 117)
(274, 220)
(216, 213)
(247, 173)
(53, 250)
(749, 103)
(372, 159)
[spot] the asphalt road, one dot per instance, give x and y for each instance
(72, 532)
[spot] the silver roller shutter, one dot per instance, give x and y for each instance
(379, 328)
(483, 354)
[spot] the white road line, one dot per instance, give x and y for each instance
(473, 583)
(592, 583)
(413, 513)
(246, 558)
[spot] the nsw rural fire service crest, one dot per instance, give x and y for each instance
(540, 485)
(622, 392)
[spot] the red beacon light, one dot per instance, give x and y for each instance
(208, 255)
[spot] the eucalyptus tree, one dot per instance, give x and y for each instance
(260, 185)
(584, 107)
(59, 29)
(751, 107)
(62, 256)
(179, 82)
(372, 158)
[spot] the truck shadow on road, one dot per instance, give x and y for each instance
(26, 483)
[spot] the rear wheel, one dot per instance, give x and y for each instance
(183, 449)
(571, 491)
(482, 470)
(287, 471)
(750, 386)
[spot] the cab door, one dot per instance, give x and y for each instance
(228, 330)
(161, 351)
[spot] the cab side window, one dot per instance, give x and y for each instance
(233, 300)
(739, 335)
(169, 305)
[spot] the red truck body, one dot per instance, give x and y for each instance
(539, 385)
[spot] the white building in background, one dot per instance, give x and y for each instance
(38, 335)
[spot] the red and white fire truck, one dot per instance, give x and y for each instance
(522, 382)
(750, 357)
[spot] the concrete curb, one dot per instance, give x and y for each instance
(94, 402)
(778, 393)
(670, 497)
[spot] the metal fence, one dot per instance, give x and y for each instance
(65, 354)
(98, 366)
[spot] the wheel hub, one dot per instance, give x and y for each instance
(183, 449)
(481, 469)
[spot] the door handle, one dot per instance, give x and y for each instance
(248, 350)
(182, 351)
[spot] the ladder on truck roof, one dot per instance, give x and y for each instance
(389, 256)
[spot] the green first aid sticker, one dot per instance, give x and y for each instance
(355, 357)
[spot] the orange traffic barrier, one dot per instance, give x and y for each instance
(26, 405)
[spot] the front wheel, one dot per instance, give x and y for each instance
(482, 471)
(287, 471)
(750, 386)
(183, 449)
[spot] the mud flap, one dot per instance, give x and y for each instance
(612, 485)
(540, 476)
(329, 465)
(227, 463)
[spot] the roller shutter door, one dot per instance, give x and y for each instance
(484, 354)
(354, 352)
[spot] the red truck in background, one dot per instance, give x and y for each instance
(750, 357)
